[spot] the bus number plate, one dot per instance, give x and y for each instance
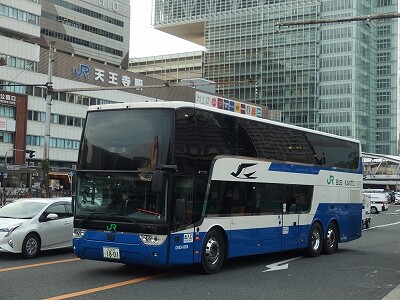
(112, 253)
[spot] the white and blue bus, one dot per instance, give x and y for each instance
(165, 184)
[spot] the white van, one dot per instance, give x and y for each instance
(379, 202)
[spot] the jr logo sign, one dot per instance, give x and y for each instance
(112, 227)
(330, 180)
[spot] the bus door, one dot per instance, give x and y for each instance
(290, 223)
(182, 234)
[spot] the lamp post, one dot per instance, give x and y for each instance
(31, 154)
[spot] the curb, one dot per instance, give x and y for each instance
(393, 295)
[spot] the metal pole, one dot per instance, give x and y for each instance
(4, 181)
(5, 170)
(49, 96)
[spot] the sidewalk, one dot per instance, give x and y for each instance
(393, 295)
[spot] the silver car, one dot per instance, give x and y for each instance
(30, 225)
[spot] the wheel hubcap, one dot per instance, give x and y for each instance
(331, 238)
(212, 251)
(31, 246)
(316, 240)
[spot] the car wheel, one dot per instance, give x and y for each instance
(315, 238)
(213, 252)
(331, 240)
(374, 210)
(31, 246)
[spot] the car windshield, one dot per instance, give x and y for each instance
(21, 210)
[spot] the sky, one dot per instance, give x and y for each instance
(146, 41)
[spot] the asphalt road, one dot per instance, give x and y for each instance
(368, 268)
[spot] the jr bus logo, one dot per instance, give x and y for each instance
(240, 172)
(330, 180)
(112, 227)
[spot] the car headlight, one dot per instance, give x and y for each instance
(78, 233)
(10, 229)
(152, 239)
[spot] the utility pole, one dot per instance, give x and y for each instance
(45, 164)
(49, 95)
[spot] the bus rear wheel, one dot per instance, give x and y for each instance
(331, 240)
(213, 252)
(315, 240)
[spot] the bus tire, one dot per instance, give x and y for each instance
(212, 252)
(331, 241)
(315, 240)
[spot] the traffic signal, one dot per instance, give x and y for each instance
(31, 153)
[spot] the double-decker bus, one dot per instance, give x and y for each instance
(173, 183)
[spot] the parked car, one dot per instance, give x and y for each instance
(379, 202)
(30, 225)
(397, 198)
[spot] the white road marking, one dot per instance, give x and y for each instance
(281, 265)
(385, 225)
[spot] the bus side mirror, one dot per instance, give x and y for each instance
(180, 209)
(157, 181)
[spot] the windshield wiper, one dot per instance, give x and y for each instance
(129, 219)
(89, 216)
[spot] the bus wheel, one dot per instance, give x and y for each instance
(213, 252)
(331, 241)
(374, 210)
(315, 240)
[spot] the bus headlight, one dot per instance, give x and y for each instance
(152, 239)
(78, 233)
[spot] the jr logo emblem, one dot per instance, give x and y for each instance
(83, 69)
(330, 180)
(112, 227)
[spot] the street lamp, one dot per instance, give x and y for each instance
(31, 154)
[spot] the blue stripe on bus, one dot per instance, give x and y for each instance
(293, 168)
(91, 245)
(240, 242)
(303, 169)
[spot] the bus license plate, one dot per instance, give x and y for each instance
(109, 252)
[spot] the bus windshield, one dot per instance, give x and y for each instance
(118, 154)
(124, 197)
(125, 140)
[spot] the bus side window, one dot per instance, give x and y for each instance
(237, 202)
(269, 199)
(215, 201)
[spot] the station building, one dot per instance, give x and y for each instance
(87, 65)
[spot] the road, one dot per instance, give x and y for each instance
(365, 269)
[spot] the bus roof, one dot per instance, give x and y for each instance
(180, 104)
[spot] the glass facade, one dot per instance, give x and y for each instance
(338, 77)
